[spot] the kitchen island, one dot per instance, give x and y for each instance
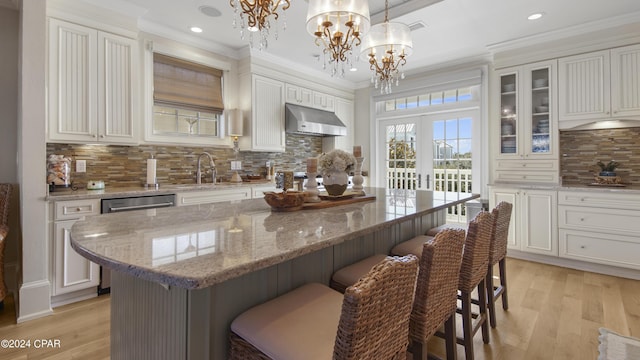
(182, 274)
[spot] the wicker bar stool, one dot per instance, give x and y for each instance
(436, 297)
(370, 321)
(475, 262)
(5, 194)
(498, 255)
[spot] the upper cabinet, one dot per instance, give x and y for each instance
(298, 95)
(92, 85)
(601, 85)
(264, 120)
(525, 124)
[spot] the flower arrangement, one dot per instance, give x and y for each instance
(336, 160)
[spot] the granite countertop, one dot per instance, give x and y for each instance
(198, 246)
(113, 192)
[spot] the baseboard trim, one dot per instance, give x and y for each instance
(75, 296)
(575, 264)
(33, 301)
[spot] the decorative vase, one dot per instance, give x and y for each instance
(335, 182)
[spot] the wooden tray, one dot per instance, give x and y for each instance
(330, 203)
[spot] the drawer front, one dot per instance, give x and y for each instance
(207, 197)
(68, 210)
(548, 165)
(608, 249)
(625, 222)
(600, 199)
(258, 191)
(526, 176)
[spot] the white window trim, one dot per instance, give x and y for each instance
(478, 76)
(222, 140)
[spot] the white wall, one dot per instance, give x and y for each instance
(9, 24)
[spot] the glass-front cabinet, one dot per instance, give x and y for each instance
(526, 121)
(524, 125)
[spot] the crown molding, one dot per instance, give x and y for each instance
(573, 31)
(172, 34)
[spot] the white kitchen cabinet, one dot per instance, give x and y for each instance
(298, 95)
(92, 85)
(601, 228)
(526, 124)
(213, 196)
(71, 272)
(533, 227)
(323, 101)
(264, 127)
(257, 191)
(344, 110)
(598, 86)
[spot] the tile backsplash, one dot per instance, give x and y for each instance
(581, 150)
(122, 166)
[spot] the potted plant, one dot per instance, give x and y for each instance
(608, 169)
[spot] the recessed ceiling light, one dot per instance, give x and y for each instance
(195, 29)
(535, 16)
(353, 69)
(209, 11)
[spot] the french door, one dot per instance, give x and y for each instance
(431, 152)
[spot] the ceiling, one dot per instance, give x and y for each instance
(455, 30)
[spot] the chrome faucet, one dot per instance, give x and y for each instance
(213, 168)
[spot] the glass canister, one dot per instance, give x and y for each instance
(59, 170)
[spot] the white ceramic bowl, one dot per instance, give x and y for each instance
(508, 87)
(538, 83)
(542, 109)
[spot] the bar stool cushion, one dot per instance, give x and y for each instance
(437, 229)
(349, 275)
(302, 322)
(413, 246)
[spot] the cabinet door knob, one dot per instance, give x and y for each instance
(101, 136)
(581, 199)
(582, 247)
(581, 219)
(78, 209)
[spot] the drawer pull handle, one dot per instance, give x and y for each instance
(581, 219)
(78, 209)
(582, 247)
(581, 199)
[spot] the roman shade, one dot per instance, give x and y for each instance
(188, 85)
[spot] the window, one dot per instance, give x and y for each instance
(437, 98)
(187, 97)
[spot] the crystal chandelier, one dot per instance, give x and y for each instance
(386, 47)
(338, 26)
(256, 16)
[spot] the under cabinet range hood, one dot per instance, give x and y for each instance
(310, 121)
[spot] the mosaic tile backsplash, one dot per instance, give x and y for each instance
(124, 166)
(581, 150)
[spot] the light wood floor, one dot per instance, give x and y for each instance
(554, 313)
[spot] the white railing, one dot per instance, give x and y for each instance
(448, 180)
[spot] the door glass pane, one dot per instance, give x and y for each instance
(540, 138)
(400, 147)
(508, 116)
(452, 143)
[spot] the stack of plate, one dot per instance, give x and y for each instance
(507, 129)
(508, 146)
(543, 126)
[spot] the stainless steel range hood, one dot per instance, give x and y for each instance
(310, 121)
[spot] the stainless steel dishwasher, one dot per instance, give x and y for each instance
(128, 204)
